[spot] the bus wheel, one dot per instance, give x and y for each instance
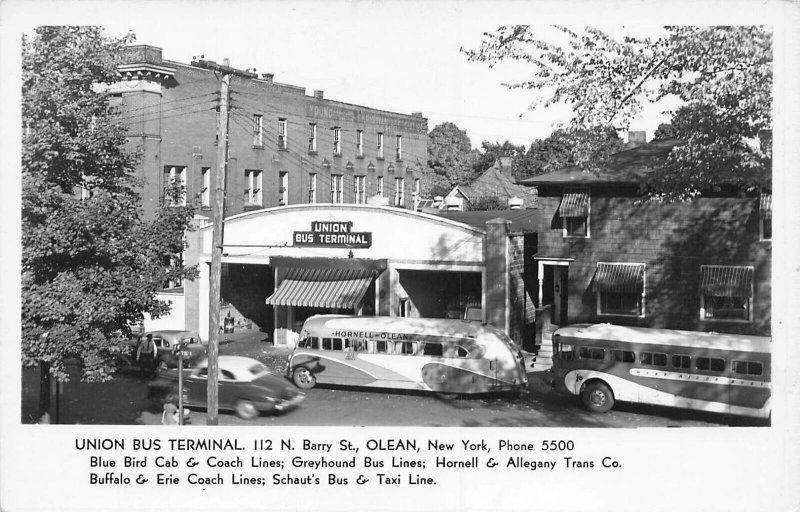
(246, 410)
(303, 378)
(597, 397)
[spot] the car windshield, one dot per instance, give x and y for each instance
(258, 369)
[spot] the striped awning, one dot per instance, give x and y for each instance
(619, 278)
(574, 204)
(766, 205)
(322, 288)
(726, 281)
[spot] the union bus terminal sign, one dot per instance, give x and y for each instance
(332, 234)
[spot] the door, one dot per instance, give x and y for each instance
(560, 295)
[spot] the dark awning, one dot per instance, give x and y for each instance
(766, 205)
(726, 281)
(619, 278)
(574, 204)
(322, 288)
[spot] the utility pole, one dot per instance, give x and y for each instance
(218, 212)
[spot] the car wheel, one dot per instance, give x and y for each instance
(597, 397)
(246, 410)
(303, 378)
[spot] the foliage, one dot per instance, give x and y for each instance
(723, 76)
(484, 203)
(494, 150)
(450, 158)
(564, 147)
(91, 266)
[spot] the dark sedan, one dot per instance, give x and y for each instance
(246, 387)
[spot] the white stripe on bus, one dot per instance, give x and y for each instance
(690, 377)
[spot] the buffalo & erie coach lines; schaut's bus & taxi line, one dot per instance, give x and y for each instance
(426, 354)
(723, 373)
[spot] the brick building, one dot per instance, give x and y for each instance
(285, 147)
(605, 255)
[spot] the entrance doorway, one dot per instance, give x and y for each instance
(554, 289)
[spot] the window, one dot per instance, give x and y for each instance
(681, 361)
(564, 351)
(726, 293)
(283, 133)
(399, 191)
(379, 187)
(432, 349)
(654, 359)
(765, 215)
(620, 289)
(312, 138)
(336, 188)
(337, 141)
(258, 130)
(359, 189)
(283, 188)
(355, 345)
(380, 145)
(380, 347)
(416, 188)
(175, 186)
(312, 188)
(747, 367)
(327, 343)
(205, 189)
(592, 353)
(399, 148)
(711, 364)
(623, 356)
(405, 347)
(360, 143)
(252, 187)
(574, 211)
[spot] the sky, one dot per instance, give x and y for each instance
(398, 56)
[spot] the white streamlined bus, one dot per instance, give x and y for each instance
(441, 355)
(722, 373)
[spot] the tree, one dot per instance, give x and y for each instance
(494, 150)
(559, 148)
(723, 76)
(91, 265)
(450, 158)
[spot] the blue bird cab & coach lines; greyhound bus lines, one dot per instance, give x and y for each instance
(426, 354)
(722, 373)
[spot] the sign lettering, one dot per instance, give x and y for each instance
(332, 234)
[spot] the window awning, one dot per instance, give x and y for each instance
(766, 205)
(726, 281)
(619, 278)
(322, 288)
(574, 204)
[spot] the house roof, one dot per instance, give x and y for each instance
(522, 221)
(496, 182)
(629, 166)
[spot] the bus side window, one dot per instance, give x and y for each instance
(711, 364)
(654, 359)
(404, 347)
(314, 342)
(462, 352)
(748, 367)
(337, 343)
(327, 343)
(565, 351)
(623, 356)
(380, 347)
(432, 349)
(592, 353)
(681, 361)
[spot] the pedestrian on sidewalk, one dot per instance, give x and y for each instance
(146, 355)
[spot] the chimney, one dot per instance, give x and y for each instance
(505, 165)
(319, 94)
(268, 76)
(636, 138)
(226, 62)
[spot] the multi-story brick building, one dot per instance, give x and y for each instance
(606, 255)
(285, 147)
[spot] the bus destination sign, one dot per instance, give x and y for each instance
(332, 234)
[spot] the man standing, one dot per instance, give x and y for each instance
(146, 355)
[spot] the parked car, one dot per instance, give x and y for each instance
(246, 387)
(166, 341)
